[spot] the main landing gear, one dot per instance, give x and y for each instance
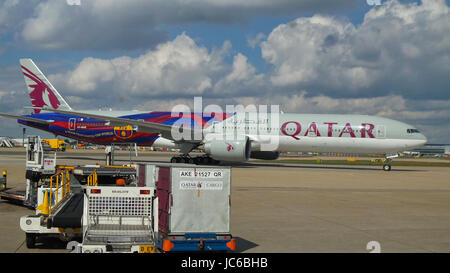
(198, 160)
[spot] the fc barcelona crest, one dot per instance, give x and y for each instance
(123, 132)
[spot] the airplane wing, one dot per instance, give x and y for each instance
(143, 126)
(26, 118)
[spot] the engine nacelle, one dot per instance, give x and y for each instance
(265, 155)
(236, 150)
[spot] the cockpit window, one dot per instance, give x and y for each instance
(412, 131)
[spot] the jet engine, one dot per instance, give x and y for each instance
(233, 150)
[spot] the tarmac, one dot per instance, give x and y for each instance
(292, 207)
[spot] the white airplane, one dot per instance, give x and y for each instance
(234, 137)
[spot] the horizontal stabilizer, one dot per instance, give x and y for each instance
(26, 118)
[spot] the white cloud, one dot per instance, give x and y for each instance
(299, 49)
(256, 40)
(135, 24)
(242, 80)
(179, 67)
(398, 49)
(5, 19)
(92, 25)
(13, 13)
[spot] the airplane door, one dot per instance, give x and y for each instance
(216, 128)
(381, 131)
(72, 123)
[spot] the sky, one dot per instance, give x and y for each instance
(388, 58)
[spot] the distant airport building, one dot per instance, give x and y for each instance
(433, 149)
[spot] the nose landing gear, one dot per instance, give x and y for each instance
(387, 163)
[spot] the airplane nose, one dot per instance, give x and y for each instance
(424, 139)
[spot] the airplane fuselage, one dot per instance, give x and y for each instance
(290, 132)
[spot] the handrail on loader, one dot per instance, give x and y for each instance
(63, 177)
(92, 179)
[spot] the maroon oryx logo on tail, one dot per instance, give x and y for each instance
(42, 95)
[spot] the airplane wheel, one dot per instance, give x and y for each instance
(196, 161)
(205, 160)
(202, 160)
(386, 167)
(185, 160)
(215, 162)
(191, 160)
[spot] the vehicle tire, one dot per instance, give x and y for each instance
(191, 161)
(386, 167)
(30, 239)
(174, 160)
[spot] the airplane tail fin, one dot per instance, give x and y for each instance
(41, 91)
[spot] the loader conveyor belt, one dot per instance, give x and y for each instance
(104, 170)
(17, 195)
(69, 216)
(119, 233)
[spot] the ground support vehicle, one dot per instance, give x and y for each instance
(119, 219)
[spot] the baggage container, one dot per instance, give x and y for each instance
(194, 206)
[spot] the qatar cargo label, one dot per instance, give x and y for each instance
(202, 174)
(201, 185)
